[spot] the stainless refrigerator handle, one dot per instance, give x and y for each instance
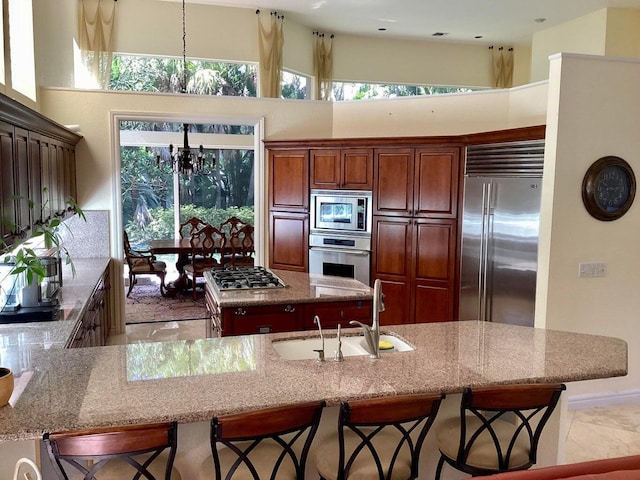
(488, 222)
(481, 256)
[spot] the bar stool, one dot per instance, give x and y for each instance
(126, 452)
(271, 443)
(377, 439)
(498, 429)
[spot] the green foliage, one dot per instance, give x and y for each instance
(162, 223)
(154, 74)
(24, 258)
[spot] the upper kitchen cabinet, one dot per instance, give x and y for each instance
(37, 161)
(421, 182)
(289, 180)
(8, 211)
(342, 169)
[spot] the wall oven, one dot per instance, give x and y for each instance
(340, 256)
(341, 210)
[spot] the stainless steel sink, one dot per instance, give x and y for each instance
(352, 345)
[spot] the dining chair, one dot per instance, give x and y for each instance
(498, 429)
(142, 262)
(144, 452)
(191, 226)
(207, 247)
(271, 443)
(241, 247)
(232, 224)
(379, 438)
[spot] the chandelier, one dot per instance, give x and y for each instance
(185, 160)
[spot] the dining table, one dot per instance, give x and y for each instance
(183, 248)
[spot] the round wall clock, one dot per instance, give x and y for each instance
(608, 188)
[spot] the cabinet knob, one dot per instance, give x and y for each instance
(240, 311)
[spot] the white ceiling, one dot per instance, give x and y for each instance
(499, 22)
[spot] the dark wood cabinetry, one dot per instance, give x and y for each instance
(283, 318)
(416, 182)
(289, 210)
(289, 180)
(334, 313)
(347, 169)
(289, 245)
(37, 163)
(93, 327)
(415, 232)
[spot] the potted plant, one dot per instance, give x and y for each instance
(27, 264)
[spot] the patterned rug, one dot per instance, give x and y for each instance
(145, 304)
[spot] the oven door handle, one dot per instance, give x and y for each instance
(340, 250)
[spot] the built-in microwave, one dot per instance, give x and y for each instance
(341, 210)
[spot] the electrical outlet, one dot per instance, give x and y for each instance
(590, 270)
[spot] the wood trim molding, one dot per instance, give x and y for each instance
(508, 135)
(22, 116)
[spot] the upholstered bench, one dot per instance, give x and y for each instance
(622, 468)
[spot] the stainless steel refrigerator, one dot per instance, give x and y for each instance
(500, 232)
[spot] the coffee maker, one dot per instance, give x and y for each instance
(52, 281)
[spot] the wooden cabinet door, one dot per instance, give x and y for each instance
(356, 169)
(45, 160)
(436, 182)
(69, 174)
(289, 241)
(289, 180)
(393, 181)
(21, 172)
(333, 313)
(35, 176)
(8, 212)
(325, 167)
(433, 270)
(391, 263)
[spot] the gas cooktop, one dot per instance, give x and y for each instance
(245, 278)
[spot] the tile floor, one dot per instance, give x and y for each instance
(594, 433)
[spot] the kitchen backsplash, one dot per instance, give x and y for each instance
(88, 239)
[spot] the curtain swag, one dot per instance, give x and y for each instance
(502, 67)
(270, 44)
(323, 65)
(95, 38)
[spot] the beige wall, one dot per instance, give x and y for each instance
(593, 112)
(442, 114)
(153, 27)
(623, 33)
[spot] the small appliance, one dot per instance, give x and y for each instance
(341, 211)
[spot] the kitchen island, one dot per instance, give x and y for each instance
(192, 380)
(288, 308)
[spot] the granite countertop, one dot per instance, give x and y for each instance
(18, 339)
(193, 380)
(300, 288)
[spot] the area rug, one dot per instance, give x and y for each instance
(145, 304)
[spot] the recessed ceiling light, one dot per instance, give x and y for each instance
(540, 20)
(382, 29)
(478, 36)
(439, 34)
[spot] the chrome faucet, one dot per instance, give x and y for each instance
(320, 351)
(372, 333)
(338, 356)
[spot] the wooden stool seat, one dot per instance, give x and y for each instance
(142, 452)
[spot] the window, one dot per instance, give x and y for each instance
(155, 200)
(294, 86)
(362, 91)
(23, 72)
(164, 74)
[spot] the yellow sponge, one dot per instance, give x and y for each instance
(385, 345)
